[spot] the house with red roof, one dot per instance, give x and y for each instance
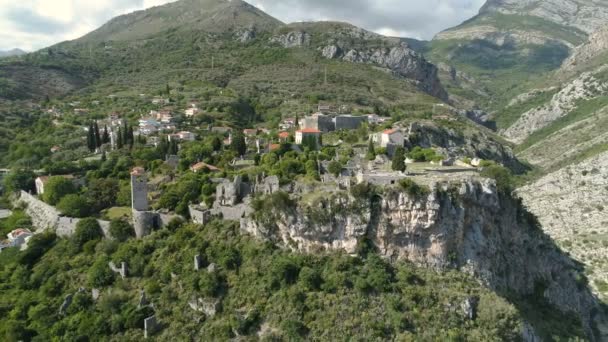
(303, 134)
(200, 166)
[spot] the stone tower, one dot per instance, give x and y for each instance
(139, 189)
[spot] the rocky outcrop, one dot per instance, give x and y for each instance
(400, 60)
(595, 46)
(584, 87)
(454, 143)
(467, 225)
(292, 39)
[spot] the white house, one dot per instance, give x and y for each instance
(302, 134)
(19, 237)
(190, 112)
(390, 137)
(183, 136)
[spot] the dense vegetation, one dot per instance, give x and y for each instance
(261, 289)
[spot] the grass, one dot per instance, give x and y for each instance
(118, 213)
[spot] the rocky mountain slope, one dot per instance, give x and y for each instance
(571, 206)
(584, 15)
(467, 225)
(231, 43)
(511, 47)
(217, 16)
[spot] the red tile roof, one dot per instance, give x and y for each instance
(274, 147)
(309, 130)
(284, 135)
(201, 165)
(390, 131)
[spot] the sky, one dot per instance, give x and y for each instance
(34, 24)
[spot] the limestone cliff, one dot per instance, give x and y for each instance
(570, 204)
(345, 42)
(467, 225)
(459, 142)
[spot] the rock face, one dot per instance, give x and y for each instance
(457, 144)
(292, 39)
(469, 226)
(584, 87)
(570, 204)
(584, 15)
(595, 46)
(400, 60)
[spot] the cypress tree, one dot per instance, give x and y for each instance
(238, 144)
(119, 141)
(91, 138)
(371, 150)
(97, 136)
(130, 137)
(106, 135)
(125, 133)
(103, 157)
(399, 160)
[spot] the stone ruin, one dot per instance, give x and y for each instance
(198, 262)
(150, 326)
(123, 271)
(209, 307)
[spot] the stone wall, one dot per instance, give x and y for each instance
(45, 217)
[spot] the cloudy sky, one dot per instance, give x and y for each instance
(34, 24)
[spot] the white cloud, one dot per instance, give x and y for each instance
(33, 24)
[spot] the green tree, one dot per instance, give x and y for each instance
(74, 205)
(56, 188)
(505, 182)
(399, 160)
(335, 168)
(19, 179)
(121, 230)
(100, 275)
(105, 139)
(119, 139)
(371, 150)
(102, 193)
(238, 144)
(87, 229)
(97, 135)
(216, 144)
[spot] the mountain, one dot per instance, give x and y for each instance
(11, 53)
(231, 44)
(214, 16)
(511, 47)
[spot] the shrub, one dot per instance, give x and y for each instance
(87, 229)
(56, 188)
(424, 154)
(100, 274)
(74, 205)
(335, 168)
(121, 230)
(503, 176)
(413, 189)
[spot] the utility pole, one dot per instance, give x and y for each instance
(325, 75)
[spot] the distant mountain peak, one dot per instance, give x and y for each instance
(214, 16)
(11, 53)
